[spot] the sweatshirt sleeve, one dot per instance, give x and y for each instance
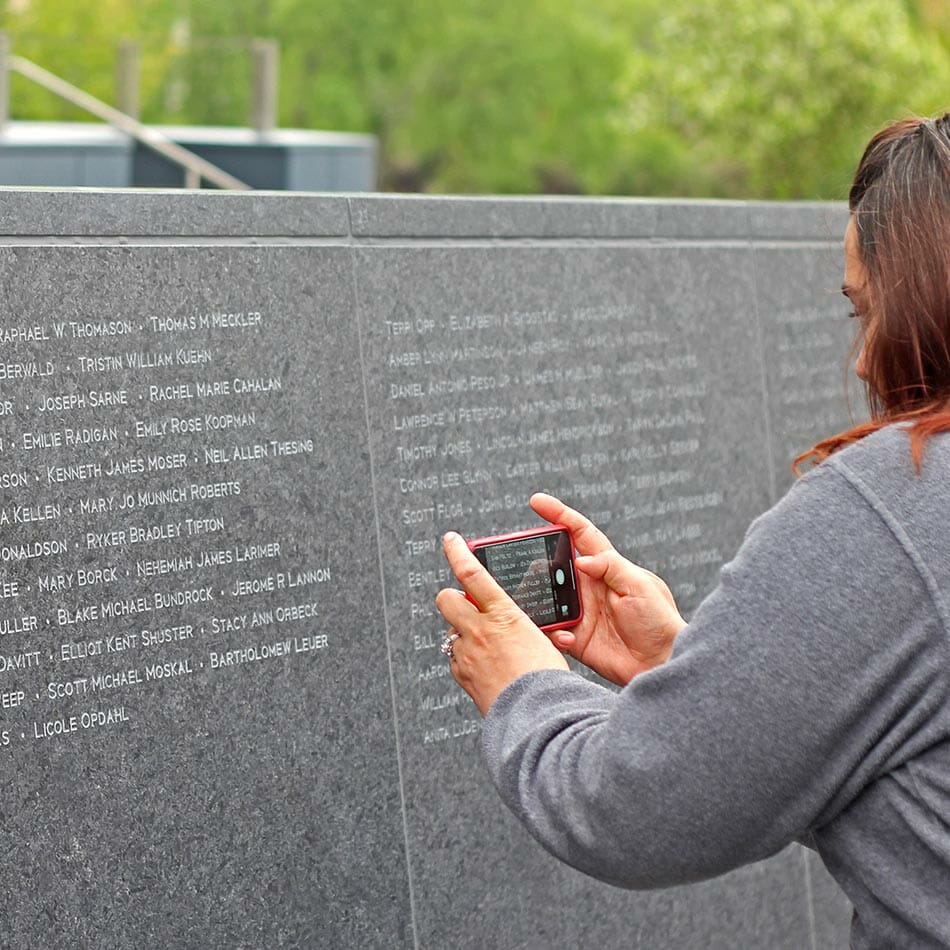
(804, 675)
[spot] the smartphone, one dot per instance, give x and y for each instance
(536, 568)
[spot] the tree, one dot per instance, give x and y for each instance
(744, 98)
(775, 98)
(464, 95)
(75, 41)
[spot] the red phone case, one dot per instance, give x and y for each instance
(534, 533)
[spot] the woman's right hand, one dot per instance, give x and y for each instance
(630, 618)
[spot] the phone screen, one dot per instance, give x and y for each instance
(538, 573)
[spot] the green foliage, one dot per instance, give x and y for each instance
(75, 42)
(465, 95)
(205, 48)
(749, 98)
(776, 98)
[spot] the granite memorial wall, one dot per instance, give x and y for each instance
(232, 431)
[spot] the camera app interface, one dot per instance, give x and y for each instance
(527, 570)
(522, 568)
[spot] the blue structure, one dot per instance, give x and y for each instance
(70, 154)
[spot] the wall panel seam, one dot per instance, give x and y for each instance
(382, 582)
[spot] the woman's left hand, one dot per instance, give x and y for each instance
(497, 641)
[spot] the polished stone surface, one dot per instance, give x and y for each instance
(811, 388)
(315, 388)
(176, 214)
(494, 372)
(192, 723)
(831, 908)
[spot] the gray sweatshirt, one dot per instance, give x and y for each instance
(808, 699)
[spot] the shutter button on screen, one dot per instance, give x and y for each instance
(559, 576)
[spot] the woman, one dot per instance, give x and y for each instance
(809, 697)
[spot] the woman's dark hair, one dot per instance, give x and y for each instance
(900, 205)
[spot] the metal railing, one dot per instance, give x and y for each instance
(264, 57)
(195, 167)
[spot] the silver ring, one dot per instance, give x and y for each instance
(448, 644)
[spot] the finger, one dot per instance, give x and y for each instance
(620, 575)
(588, 538)
(457, 610)
(471, 574)
(564, 640)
